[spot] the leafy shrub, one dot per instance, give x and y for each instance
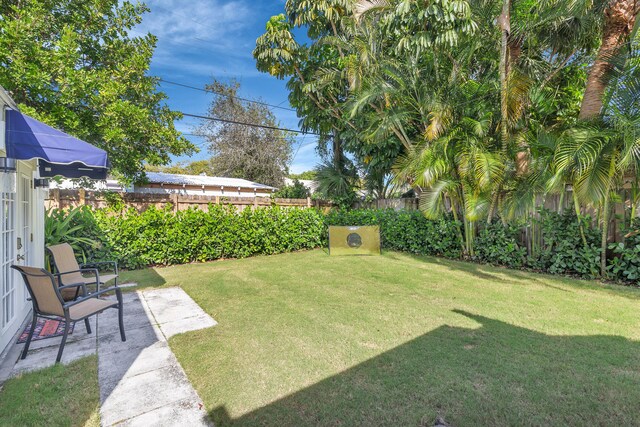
(499, 244)
(564, 251)
(626, 263)
(295, 191)
(160, 236)
(65, 227)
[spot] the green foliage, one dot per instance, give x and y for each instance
(295, 191)
(114, 200)
(480, 110)
(68, 226)
(73, 65)
(160, 236)
(564, 252)
(197, 167)
(500, 244)
(625, 265)
(307, 175)
(337, 183)
(239, 151)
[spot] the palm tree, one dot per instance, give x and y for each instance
(458, 171)
(619, 22)
(602, 152)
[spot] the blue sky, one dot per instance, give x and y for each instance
(199, 40)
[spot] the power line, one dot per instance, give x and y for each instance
(234, 122)
(224, 94)
(276, 137)
(298, 149)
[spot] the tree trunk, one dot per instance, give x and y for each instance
(620, 18)
(576, 205)
(606, 208)
(504, 21)
(605, 237)
(338, 151)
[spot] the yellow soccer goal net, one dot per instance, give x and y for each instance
(363, 240)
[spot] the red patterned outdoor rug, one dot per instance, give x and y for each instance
(45, 328)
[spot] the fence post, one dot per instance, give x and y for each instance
(174, 198)
(56, 197)
(255, 202)
(82, 197)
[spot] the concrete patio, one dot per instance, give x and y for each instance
(141, 381)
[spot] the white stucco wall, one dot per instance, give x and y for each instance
(27, 223)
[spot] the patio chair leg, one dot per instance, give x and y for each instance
(34, 321)
(121, 322)
(88, 325)
(64, 340)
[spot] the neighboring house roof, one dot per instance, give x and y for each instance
(70, 184)
(212, 181)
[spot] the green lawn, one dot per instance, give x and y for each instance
(63, 395)
(308, 339)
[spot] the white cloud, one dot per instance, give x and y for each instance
(202, 37)
(180, 65)
(206, 21)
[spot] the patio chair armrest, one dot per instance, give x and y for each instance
(75, 285)
(91, 264)
(82, 270)
(95, 295)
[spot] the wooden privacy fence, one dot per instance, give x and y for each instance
(410, 203)
(141, 201)
(552, 202)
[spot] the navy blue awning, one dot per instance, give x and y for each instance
(57, 152)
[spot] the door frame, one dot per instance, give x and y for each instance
(23, 214)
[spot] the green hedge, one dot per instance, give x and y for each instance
(160, 236)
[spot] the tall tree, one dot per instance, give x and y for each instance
(196, 167)
(619, 21)
(260, 154)
(72, 64)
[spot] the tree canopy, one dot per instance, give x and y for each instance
(482, 106)
(258, 153)
(74, 65)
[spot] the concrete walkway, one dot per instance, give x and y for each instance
(141, 381)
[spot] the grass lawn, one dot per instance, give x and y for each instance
(63, 395)
(308, 339)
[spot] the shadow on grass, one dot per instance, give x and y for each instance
(497, 273)
(144, 278)
(495, 374)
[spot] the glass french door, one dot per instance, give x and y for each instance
(25, 236)
(16, 241)
(8, 255)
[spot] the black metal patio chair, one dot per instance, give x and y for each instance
(69, 272)
(48, 303)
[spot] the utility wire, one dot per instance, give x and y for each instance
(298, 149)
(234, 122)
(224, 94)
(276, 137)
